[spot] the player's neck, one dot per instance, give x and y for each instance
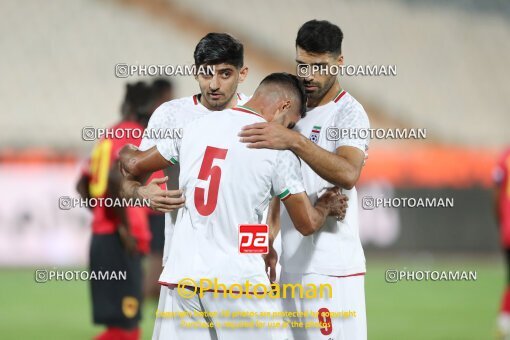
(255, 106)
(329, 96)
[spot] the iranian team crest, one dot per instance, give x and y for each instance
(314, 136)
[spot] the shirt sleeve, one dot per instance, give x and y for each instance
(163, 119)
(287, 179)
(353, 117)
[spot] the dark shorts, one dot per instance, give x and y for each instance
(157, 225)
(115, 302)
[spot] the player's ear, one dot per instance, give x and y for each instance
(340, 59)
(285, 105)
(243, 73)
(282, 109)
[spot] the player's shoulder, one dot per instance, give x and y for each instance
(116, 126)
(123, 125)
(122, 134)
(348, 108)
(178, 103)
(170, 111)
(127, 125)
(345, 102)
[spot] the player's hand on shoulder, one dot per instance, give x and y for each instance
(335, 201)
(161, 200)
(268, 136)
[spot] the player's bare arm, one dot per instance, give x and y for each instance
(342, 168)
(334, 203)
(273, 215)
(306, 218)
(273, 221)
(136, 166)
(113, 190)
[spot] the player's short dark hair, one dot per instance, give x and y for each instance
(138, 99)
(320, 36)
(292, 83)
(219, 48)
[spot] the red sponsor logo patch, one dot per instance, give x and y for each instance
(253, 238)
(325, 321)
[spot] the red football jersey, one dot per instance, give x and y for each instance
(103, 157)
(502, 180)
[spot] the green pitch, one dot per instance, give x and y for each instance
(403, 310)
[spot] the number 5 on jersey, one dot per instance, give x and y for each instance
(211, 173)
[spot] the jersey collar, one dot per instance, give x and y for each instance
(246, 109)
(339, 95)
(196, 101)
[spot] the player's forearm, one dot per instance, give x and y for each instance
(331, 203)
(129, 162)
(318, 215)
(114, 191)
(273, 219)
(130, 188)
(117, 184)
(331, 167)
(136, 166)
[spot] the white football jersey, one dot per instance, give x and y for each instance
(336, 248)
(175, 114)
(225, 184)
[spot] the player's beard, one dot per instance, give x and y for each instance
(312, 93)
(320, 91)
(219, 103)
